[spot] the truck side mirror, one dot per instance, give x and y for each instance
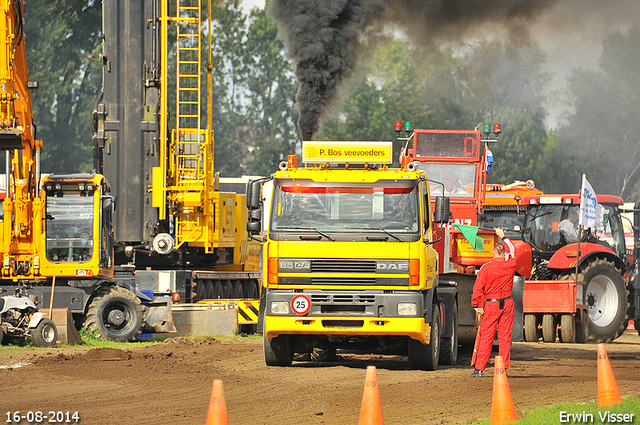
(254, 194)
(254, 205)
(442, 211)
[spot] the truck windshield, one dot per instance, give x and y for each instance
(69, 227)
(550, 227)
(384, 206)
(511, 221)
(459, 179)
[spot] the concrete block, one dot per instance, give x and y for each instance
(205, 322)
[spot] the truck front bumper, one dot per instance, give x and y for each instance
(412, 327)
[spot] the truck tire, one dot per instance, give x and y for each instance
(115, 314)
(278, 351)
(45, 334)
(548, 328)
(606, 297)
(582, 327)
(227, 290)
(531, 329)
(208, 289)
(201, 290)
(238, 293)
(567, 328)
(426, 357)
(449, 348)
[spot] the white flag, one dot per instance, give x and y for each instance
(589, 206)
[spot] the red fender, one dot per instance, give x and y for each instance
(524, 258)
(565, 257)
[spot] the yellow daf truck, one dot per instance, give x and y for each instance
(348, 257)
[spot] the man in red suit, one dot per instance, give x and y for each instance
(495, 285)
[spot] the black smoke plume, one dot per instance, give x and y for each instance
(322, 36)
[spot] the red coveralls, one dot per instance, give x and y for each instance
(495, 282)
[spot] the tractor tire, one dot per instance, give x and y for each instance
(426, 357)
(45, 334)
(549, 328)
(606, 296)
(278, 351)
(115, 313)
(567, 328)
(449, 348)
(531, 330)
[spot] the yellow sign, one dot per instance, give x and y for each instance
(467, 251)
(352, 152)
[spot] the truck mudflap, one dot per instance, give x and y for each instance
(158, 317)
(412, 327)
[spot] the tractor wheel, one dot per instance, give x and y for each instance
(548, 328)
(425, 357)
(45, 334)
(278, 351)
(116, 314)
(606, 296)
(449, 349)
(531, 331)
(567, 328)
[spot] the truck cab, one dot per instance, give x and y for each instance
(348, 259)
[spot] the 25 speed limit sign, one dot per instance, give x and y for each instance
(300, 304)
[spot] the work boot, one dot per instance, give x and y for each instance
(476, 373)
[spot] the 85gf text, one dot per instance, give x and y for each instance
(37, 417)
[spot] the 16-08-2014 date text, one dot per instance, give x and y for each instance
(42, 417)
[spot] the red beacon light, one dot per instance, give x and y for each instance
(292, 161)
(497, 128)
(398, 126)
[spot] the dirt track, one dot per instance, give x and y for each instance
(170, 383)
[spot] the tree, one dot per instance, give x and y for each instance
(61, 37)
(603, 130)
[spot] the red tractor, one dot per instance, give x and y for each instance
(596, 303)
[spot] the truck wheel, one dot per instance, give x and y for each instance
(115, 314)
(531, 330)
(208, 289)
(217, 290)
(278, 351)
(449, 349)
(238, 293)
(548, 328)
(227, 289)
(251, 290)
(606, 297)
(45, 334)
(425, 357)
(201, 290)
(567, 328)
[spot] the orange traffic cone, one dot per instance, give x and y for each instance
(608, 393)
(217, 414)
(502, 409)
(371, 412)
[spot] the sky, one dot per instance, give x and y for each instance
(570, 33)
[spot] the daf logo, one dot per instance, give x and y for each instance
(296, 265)
(401, 266)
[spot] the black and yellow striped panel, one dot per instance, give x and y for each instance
(248, 311)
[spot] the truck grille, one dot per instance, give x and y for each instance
(343, 281)
(343, 298)
(343, 266)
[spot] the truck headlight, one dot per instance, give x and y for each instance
(279, 307)
(407, 309)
